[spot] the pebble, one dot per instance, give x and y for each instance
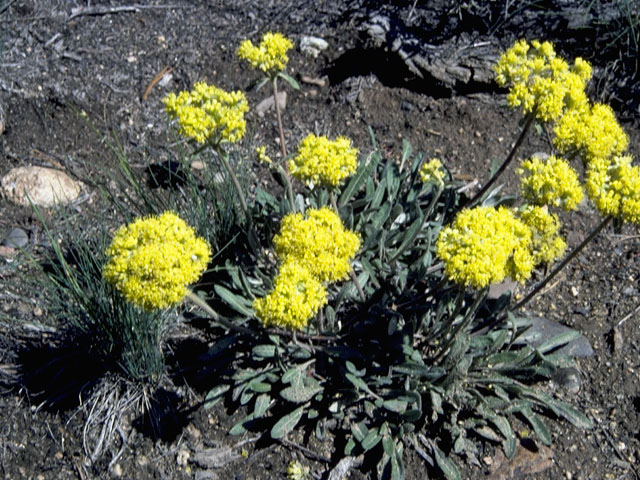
(568, 378)
(268, 103)
(183, 457)
(116, 470)
(16, 238)
(312, 46)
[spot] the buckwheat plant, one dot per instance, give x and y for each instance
(357, 308)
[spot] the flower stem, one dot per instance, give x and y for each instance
(562, 264)
(225, 163)
(276, 104)
(478, 196)
(354, 277)
(214, 315)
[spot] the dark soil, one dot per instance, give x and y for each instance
(55, 66)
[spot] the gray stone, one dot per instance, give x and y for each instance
(312, 46)
(543, 330)
(16, 238)
(568, 379)
(268, 103)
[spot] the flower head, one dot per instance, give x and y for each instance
(324, 162)
(297, 296)
(546, 244)
(263, 158)
(152, 260)
(297, 471)
(541, 82)
(592, 133)
(550, 181)
(432, 172)
(484, 245)
(614, 187)
(270, 56)
(208, 113)
(320, 243)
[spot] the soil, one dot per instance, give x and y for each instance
(56, 64)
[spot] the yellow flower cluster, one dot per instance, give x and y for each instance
(263, 158)
(270, 56)
(546, 244)
(593, 133)
(541, 82)
(550, 182)
(153, 259)
(484, 245)
(296, 297)
(432, 172)
(320, 243)
(320, 161)
(208, 113)
(614, 187)
(313, 251)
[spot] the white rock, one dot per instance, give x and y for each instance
(312, 46)
(45, 187)
(268, 103)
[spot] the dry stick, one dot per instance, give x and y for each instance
(354, 277)
(97, 10)
(506, 163)
(562, 264)
(234, 179)
(283, 148)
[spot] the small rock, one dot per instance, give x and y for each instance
(268, 103)
(37, 312)
(17, 238)
(496, 290)
(206, 475)
(7, 252)
(193, 432)
(116, 470)
(197, 165)
(40, 477)
(312, 46)
(59, 455)
(183, 457)
(568, 378)
(616, 339)
(41, 186)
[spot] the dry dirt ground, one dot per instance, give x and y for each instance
(57, 59)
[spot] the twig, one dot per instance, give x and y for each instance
(283, 147)
(156, 79)
(97, 10)
(6, 6)
(627, 317)
(306, 451)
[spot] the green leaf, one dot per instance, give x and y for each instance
(358, 382)
(297, 394)
(371, 439)
(558, 341)
(215, 395)
(260, 387)
(364, 171)
(287, 423)
(360, 430)
(397, 406)
(539, 427)
(292, 81)
(409, 236)
(264, 351)
(407, 150)
(238, 303)
(447, 466)
(262, 405)
(349, 447)
(240, 427)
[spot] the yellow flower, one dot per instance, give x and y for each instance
(614, 187)
(432, 172)
(208, 113)
(550, 182)
(270, 56)
(262, 155)
(152, 260)
(321, 161)
(546, 244)
(297, 471)
(541, 82)
(297, 296)
(320, 243)
(592, 133)
(484, 246)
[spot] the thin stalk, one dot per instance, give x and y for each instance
(354, 277)
(225, 163)
(283, 148)
(289, 185)
(562, 264)
(478, 196)
(217, 318)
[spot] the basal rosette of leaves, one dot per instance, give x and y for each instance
(406, 364)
